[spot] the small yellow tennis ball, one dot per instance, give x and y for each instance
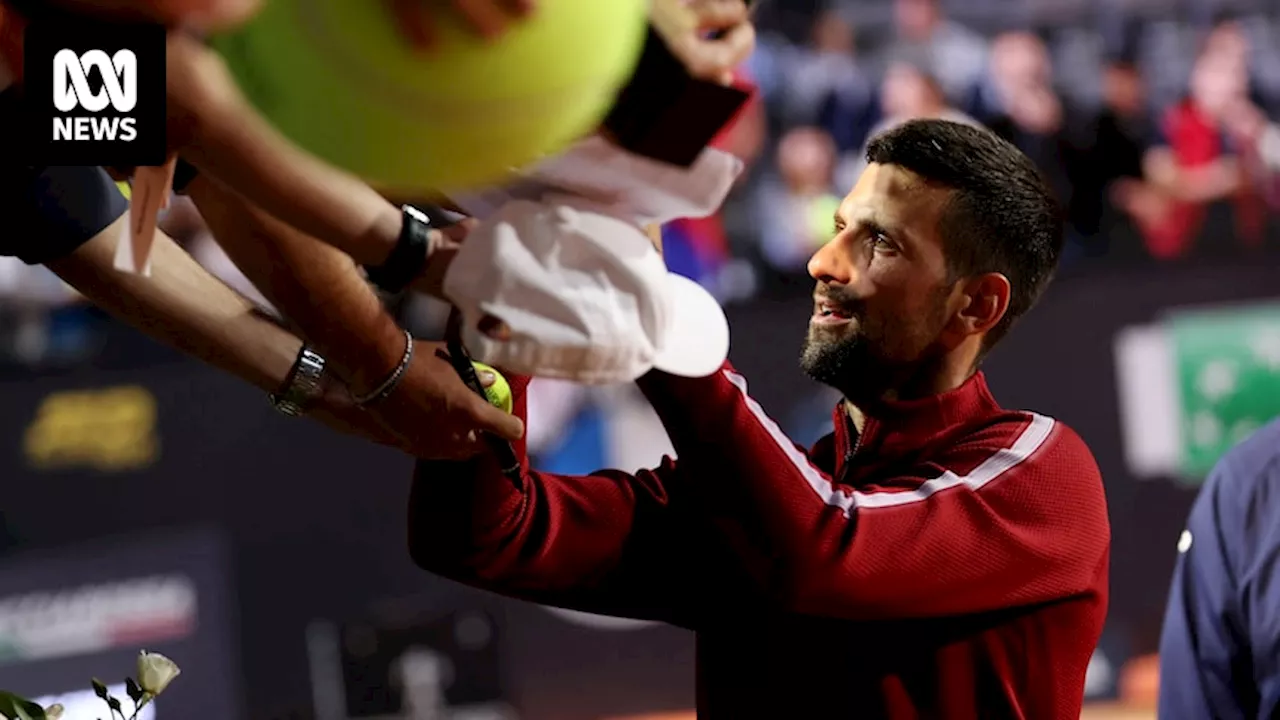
(337, 78)
(499, 393)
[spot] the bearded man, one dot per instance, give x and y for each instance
(936, 556)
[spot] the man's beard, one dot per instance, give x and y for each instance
(867, 360)
(845, 363)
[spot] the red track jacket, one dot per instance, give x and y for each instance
(951, 562)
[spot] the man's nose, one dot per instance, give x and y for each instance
(832, 264)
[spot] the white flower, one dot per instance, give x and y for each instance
(54, 712)
(155, 672)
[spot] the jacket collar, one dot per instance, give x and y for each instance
(898, 428)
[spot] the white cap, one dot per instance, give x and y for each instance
(584, 294)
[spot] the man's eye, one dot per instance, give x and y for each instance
(880, 240)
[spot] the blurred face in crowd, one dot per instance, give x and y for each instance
(1020, 62)
(883, 298)
(1219, 80)
(831, 34)
(906, 92)
(916, 19)
(806, 159)
(1228, 39)
(1122, 89)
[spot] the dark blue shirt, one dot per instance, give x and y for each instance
(48, 212)
(1220, 650)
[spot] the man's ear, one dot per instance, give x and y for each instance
(986, 300)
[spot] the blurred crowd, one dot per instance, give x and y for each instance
(1156, 132)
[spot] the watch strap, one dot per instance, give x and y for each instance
(303, 386)
(408, 257)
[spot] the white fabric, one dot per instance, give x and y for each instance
(561, 258)
(585, 296)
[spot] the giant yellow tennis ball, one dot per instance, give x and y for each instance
(338, 78)
(499, 393)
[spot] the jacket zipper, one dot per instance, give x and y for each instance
(851, 452)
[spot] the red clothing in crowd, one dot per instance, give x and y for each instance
(951, 561)
(1196, 140)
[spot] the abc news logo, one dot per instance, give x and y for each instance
(95, 93)
(72, 91)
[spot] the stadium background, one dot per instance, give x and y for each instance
(146, 501)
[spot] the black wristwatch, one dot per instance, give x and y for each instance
(303, 386)
(408, 257)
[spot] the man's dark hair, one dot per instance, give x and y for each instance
(1001, 217)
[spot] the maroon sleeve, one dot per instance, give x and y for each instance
(610, 542)
(1011, 515)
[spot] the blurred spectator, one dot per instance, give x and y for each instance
(1228, 38)
(1018, 64)
(798, 206)
(952, 53)
(1260, 142)
(1108, 174)
(908, 92)
(1026, 110)
(826, 86)
(1196, 159)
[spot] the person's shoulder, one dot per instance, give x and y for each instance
(1032, 461)
(1263, 446)
(1065, 443)
(1034, 442)
(1253, 463)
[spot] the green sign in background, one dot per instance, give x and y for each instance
(1228, 370)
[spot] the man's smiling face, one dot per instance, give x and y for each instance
(882, 295)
